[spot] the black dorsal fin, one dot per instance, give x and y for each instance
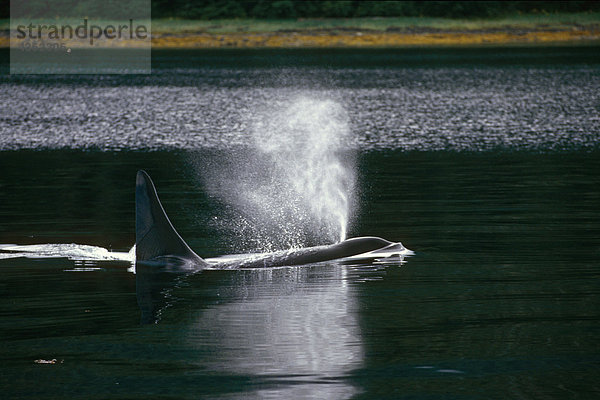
(155, 236)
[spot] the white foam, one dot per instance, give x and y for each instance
(71, 251)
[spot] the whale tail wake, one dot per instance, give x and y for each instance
(156, 240)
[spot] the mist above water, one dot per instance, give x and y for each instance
(294, 186)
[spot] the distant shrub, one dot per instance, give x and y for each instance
(337, 9)
(281, 9)
(386, 8)
(213, 9)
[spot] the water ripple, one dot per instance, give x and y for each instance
(468, 109)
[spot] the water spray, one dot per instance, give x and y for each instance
(294, 188)
(305, 141)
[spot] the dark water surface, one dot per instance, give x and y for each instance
(484, 162)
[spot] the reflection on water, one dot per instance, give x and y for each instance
(153, 287)
(281, 333)
(296, 326)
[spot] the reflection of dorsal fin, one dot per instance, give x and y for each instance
(154, 234)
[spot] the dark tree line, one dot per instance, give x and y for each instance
(293, 9)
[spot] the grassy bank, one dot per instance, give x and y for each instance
(531, 29)
(529, 22)
(378, 32)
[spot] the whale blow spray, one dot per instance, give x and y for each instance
(306, 142)
(295, 185)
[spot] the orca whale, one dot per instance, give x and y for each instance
(157, 243)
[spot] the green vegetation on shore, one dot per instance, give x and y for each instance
(292, 9)
(557, 21)
(577, 28)
(289, 9)
(516, 21)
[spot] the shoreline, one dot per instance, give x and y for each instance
(520, 30)
(362, 39)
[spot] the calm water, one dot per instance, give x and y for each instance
(484, 162)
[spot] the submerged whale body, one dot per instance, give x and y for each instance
(158, 243)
